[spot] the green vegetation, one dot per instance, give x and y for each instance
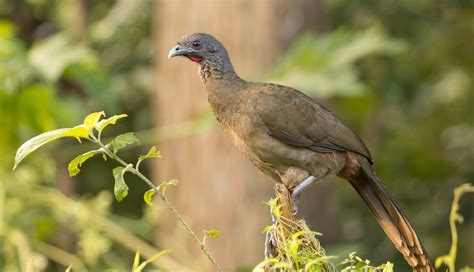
(298, 251)
(91, 130)
(301, 251)
(296, 248)
(398, 72)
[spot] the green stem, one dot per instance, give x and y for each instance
(454, 217)
(183, 222)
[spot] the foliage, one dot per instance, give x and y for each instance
(52, 69)
(90, 130)
(403, 80)
(301, 251)
(326, 66)
(139, 267)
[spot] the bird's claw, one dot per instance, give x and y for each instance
(294, 208)
(295, 195)
(294, 203)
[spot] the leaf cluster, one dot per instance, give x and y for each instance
(91, 129)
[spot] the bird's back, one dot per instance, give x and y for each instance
(297, 119)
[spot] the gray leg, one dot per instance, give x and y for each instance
(300, 188)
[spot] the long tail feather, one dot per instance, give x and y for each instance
(389, 215)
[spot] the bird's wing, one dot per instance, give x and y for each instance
(298, 120)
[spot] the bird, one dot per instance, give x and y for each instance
(294, 139)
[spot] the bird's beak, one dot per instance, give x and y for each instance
(179, 50)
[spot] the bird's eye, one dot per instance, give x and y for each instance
(196, 44)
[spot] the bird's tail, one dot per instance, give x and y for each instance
(389, 215)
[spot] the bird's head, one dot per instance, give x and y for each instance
(205, 50)
(198, 47)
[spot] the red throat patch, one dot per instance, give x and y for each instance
(195, 58)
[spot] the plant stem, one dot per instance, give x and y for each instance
(454, 217)
(183, 222)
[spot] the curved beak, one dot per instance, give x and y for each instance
(179, 50)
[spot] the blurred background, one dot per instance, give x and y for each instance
(399, 72)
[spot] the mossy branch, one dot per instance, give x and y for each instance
(290, 245)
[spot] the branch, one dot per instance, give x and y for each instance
(160, 193)
(290, 243)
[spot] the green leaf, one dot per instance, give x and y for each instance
(92, 119)
(267, 229)
(147, 197)
(73, 166)
(78, 132)
(152, 153)
(136, 261)
(38, 141)
(212, 233)
(150, 260)
(123, 140)
(120, 188)
(109, 121)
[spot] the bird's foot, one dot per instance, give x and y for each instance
(295, 195)
(295, 199)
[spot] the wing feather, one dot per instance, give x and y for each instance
(298, 120)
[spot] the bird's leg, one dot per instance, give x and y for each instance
(300, 188)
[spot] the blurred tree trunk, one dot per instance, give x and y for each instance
(218, 188)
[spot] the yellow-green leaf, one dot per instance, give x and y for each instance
(73, 166)
(267, 229)
(152, 153)
(212, 233)
(78, 132)
(38, 141)
(120, 187)
(136, 261)
(109, 121)
(150, 260)
(92, 119)
(148, 195)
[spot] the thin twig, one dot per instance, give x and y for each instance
(183, 222)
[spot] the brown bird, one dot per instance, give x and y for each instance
(294, 139)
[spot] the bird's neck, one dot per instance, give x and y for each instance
(223, 87)
(218, 75)
(218, 68)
